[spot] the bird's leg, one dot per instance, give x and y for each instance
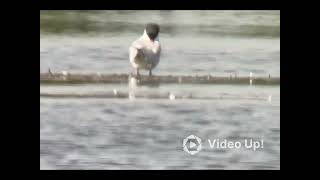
(137, 72)
(150, 69)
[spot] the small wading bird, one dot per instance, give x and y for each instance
(144, 53)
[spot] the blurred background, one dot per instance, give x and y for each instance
(147, 134)
(194, 42)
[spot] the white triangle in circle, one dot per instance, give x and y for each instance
(192, 144)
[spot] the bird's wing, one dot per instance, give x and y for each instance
(132, 53)
(157, 48)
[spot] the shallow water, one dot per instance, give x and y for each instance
(148, 134)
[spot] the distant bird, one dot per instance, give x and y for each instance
(144, 53)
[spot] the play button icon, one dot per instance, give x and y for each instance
(192, 144)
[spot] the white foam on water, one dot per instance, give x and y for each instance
(269, 98)
(115, 92)
(172, 96)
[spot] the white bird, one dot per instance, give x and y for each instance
(144, 53)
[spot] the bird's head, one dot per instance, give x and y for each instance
(152, 30)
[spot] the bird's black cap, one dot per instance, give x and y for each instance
(152, 30)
